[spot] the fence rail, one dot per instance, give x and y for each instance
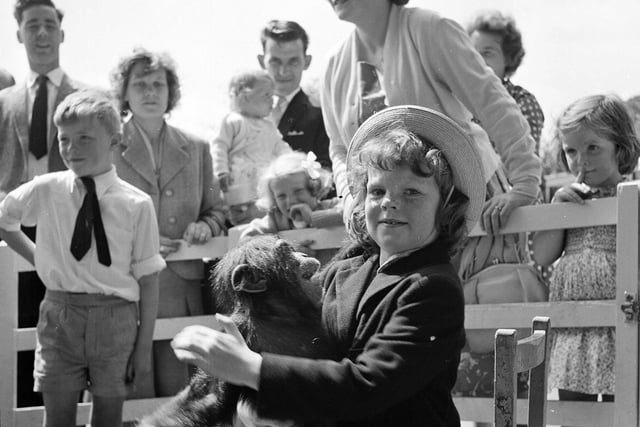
(622, 211)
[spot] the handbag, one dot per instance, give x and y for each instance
(501, 283)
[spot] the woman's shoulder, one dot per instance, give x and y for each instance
(428, 21)
(187, 136)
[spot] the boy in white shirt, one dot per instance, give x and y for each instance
(97, 252)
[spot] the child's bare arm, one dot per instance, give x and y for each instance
(548, 245)
(140, 362)
(19, 242)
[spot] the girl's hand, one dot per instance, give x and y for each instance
(197, 233)
(572, 193)
(223, 354)
(168, 246)
(496, 211)
(301, 214)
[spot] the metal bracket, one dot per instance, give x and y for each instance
(630, 307)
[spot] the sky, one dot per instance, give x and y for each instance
(574, 47)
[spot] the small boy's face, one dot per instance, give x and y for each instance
(86, 146)
(400, 210)
(258, 101)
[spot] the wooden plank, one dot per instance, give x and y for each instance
(8, 321)
(531, 351)
(626, 413)
(323, 238)
(214, 248)
(165, 329)
(584, 414)
(133, 410)
(514, 315)
(563, 314)
(504, 387)
(559, 215)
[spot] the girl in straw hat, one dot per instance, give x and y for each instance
(393, 305)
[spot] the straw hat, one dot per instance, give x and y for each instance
(458, 148)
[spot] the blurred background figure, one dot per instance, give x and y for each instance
(175, 169)
(496, 37)
(6, 79)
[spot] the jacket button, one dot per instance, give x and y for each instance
(172, 220)
(168, 193)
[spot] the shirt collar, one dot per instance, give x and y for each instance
(289, 97)
(103, 181)
(55, 76)
(433, 253)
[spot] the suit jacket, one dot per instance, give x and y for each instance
(185, 190)
(397, 334)
(14, 133)
(302, 128)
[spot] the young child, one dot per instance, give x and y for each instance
(291, 190)
(97, 318)
(599, 146)
(246, 142)
(393, 307)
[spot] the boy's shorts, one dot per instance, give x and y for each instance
(84, 341)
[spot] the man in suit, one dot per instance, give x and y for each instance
(28, 148)
(29, 143)
(284, 57)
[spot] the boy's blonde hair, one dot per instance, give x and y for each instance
(89, 104)
(319, 180)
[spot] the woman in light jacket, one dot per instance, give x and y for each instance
(175, 169)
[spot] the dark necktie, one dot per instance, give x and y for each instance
(371, 96)
(38, 130)
(89, 218)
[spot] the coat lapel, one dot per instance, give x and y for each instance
(137, 155)
(296, 109)
(19, 107)
(55, 161)
(175, 155)
(348, 294)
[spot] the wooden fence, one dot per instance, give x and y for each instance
(622, 211)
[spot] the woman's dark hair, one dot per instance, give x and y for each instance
(503, 26)
(153, 61)
(401, 148)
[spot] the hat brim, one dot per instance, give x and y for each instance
(443, 133)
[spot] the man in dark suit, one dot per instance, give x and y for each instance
(29, 143)
(284, 57)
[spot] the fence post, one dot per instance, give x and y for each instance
(626, 402)
(8, 323)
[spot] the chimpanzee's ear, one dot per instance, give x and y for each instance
(243, 279)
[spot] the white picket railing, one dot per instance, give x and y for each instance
(622, 211)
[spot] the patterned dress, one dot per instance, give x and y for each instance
(529, 107)
(582, 359)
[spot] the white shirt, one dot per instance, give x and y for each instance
(288, 98)
(52, 201)
(39, 166)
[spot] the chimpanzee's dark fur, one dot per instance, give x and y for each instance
(283, 319)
